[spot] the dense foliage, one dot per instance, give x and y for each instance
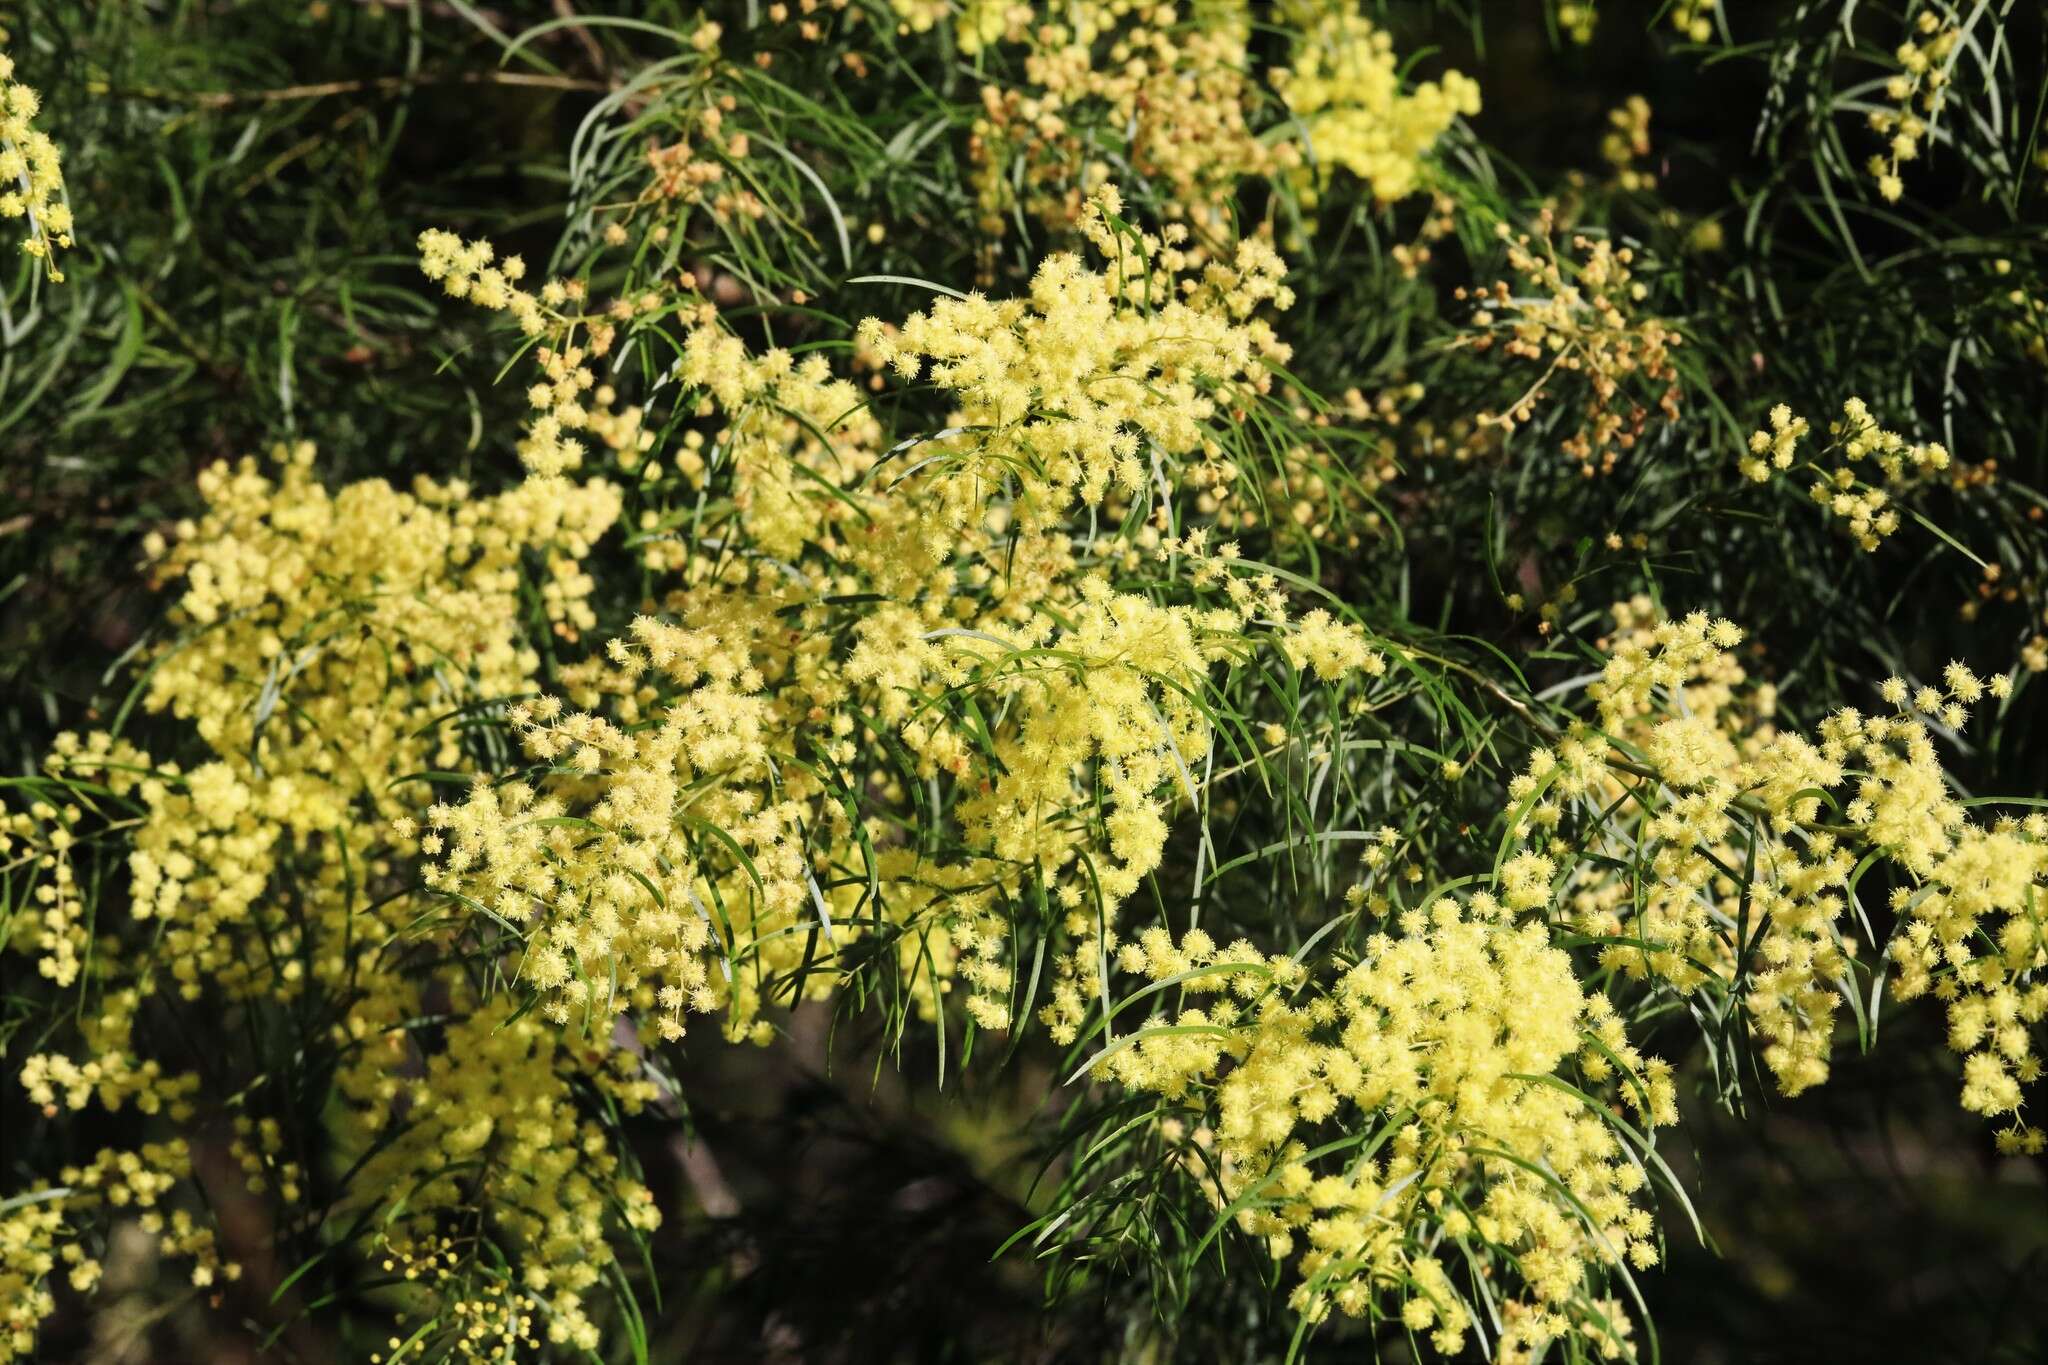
(943, 679)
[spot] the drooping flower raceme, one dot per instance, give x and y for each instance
(31, 179)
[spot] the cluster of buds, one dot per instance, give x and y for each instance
(1580, 317)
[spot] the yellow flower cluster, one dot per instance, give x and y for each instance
(1414, 1104)
(1865, 509)
(31, 180)
(492, 1126)
(114, 1075)
(1737, 873)
(1714, 779)
(1578, 19)
(1920, 88)
(1580, 318)
(1694, 19)
(1086, 385)
(38, 1232)
(697, 170)
(29, 1250)
(332, 648)
(1626, 141)
(1175, 85)
(795, 433)
(920, 16)
(712, 841)
(1345, 90)
(886, 697)
(567, 397)
(328, 632)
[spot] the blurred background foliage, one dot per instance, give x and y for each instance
(251, 177)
